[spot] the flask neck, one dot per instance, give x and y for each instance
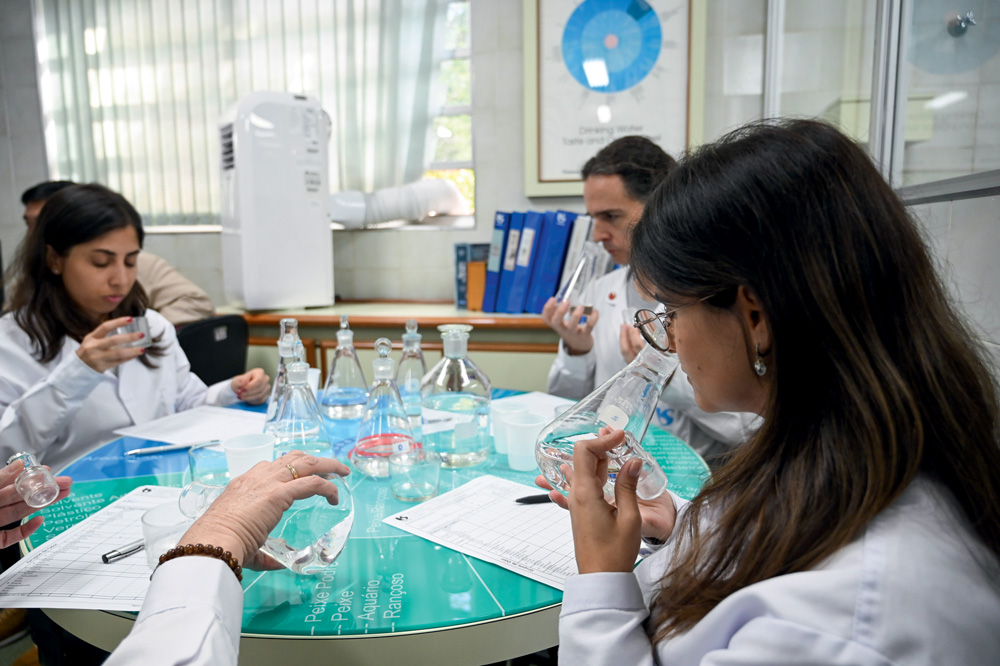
(456, 346)
(655, 361)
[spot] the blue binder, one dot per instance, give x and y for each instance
(509, 261)
(461, 275)
(530, 236)
(500, 223)
(549, 258)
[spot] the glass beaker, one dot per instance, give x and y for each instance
(385, 428)
(455, 403)
(626, 402)
(297, 423)
(290, 350)
(345, 391)
(411, 370)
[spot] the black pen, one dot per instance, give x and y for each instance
(124, 551)
(533, 499)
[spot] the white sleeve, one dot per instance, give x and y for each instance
(192, 615)
(572, 376)
(601, 621)
(37, 416)
(191, 391)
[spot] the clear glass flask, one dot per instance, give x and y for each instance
(593, 264)
(626, 402)
(290, 350)
(35, 484)
(409, 373)
(385, 428)
(297, 423)
(346, 391)
(455, 403)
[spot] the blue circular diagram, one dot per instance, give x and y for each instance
(611, 45)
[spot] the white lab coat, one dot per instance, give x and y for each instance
(64, 409)
(916, 589)
(574, 377)
(192, 615)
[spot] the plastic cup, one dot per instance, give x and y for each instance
(522, 432)
(500, 412)
(414, 475)
(162, 528)
(137, 325)
(245, 451)
(209, 476)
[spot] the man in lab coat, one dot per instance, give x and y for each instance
(616, 183)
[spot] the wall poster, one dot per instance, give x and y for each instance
(597, 70)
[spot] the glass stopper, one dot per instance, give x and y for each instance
(383, 346)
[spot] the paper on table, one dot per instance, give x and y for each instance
(482, 519)
(197, 425)
(67, 571)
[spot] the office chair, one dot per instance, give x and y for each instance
(216, 347)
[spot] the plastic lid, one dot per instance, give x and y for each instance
(298, 372)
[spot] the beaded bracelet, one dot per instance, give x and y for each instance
(205, 551)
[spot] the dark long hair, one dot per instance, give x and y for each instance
(75, 214)
(875, 377)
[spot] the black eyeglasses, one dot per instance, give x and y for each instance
(655, 326)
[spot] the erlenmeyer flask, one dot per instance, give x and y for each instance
(455, 403)
(385, 427)
(592, 264)
(297, 423)
(626, 402)
(411, 370)
(346, 390)
(290, 350)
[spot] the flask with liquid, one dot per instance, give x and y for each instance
(35, 484)
(346, 390)
(592, 265)
(297, 422)
(385, 428)
(290, 350)
(626, 402)
(411, 370)
(455, 403)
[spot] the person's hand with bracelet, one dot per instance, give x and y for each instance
(240, 519)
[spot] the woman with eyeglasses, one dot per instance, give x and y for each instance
(861, 523)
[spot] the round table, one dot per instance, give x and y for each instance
(389, 596)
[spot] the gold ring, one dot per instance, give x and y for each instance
(291, 469)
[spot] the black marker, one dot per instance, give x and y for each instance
(534, 499)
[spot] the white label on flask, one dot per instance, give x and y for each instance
(614, 416)
(524, 253)
(511, 255)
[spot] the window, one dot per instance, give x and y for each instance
(132, 92)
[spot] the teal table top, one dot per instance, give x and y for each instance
(386, 580)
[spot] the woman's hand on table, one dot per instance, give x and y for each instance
(103, 351)
(253, 387)
(12, 507)
(253, 503)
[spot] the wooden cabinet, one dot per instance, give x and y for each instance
(515, 351)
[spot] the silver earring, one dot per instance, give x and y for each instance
(758, 364)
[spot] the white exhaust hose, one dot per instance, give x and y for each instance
(414, 201)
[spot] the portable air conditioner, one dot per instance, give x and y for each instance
(277, 247)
